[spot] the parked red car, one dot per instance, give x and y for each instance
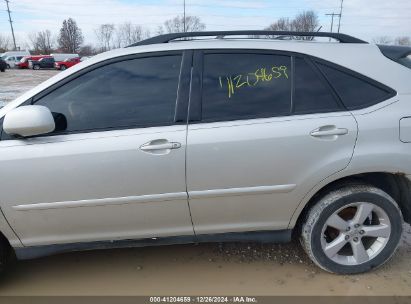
(24, 62)
(69, 62)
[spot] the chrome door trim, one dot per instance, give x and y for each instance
(242, 191)
(104, 201)
(157, 197)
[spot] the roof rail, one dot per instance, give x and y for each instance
(221, 34)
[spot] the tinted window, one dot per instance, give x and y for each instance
(241, 86)
(138, 92)
(311, 94)
(355, 93)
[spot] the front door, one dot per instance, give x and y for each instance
(115, 166)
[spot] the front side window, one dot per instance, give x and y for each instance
(131, 93)
(245, 86)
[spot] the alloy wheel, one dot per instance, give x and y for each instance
(356, 233)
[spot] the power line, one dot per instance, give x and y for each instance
(11, 24)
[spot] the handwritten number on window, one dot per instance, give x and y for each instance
(249, 80)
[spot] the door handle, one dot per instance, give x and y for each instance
(328, 131)
(160, 144)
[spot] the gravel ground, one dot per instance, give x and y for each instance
(15, 82)
(205, 269)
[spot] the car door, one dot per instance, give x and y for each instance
(114, 168)
(264, 128)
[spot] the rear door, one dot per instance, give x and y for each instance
(264, 128)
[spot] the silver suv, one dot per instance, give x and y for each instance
(177, 140)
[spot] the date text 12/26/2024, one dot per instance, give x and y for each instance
(203, 299)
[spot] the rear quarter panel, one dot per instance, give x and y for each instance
(378, 147)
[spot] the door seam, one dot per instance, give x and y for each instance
(186, 146)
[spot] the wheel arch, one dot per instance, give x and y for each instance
(396, 185)
(5, 240)
(7, 233)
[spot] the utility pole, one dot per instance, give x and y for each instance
(332, 21)
(339, 20)
(184, 17)
(11, 25)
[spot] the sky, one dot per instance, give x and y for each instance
(365, 19)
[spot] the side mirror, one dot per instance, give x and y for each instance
(29, 121)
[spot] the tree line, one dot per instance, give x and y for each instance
(109, 36)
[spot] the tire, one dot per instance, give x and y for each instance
(36, 67)
(63, 67)
(3, 70)
(350, 246)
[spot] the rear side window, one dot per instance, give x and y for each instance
(242, 86)
(132, 93)
(355, 92)
(311, 92)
